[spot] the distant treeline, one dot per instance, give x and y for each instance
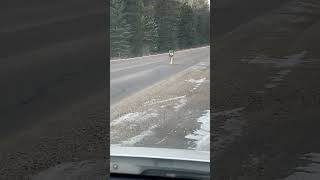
(142, 27)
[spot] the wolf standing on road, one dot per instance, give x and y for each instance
(171, 53)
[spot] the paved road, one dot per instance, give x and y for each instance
(130, 76)
(168, 113)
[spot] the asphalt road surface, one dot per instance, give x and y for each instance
(131, 75)
(155, 104)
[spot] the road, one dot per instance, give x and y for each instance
(53, 84)
(130, 76)
(155, 104)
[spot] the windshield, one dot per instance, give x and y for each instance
(160, 74)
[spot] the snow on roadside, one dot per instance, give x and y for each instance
(133, 140)
(176, 102)
(141, 123)
(154, 101)
(133, 117)
(180, 104)
(196, 83)
(202, 135)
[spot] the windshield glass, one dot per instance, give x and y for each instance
(160, 74)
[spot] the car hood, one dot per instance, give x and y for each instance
(166, 162)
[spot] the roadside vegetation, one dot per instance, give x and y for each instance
(143, 27)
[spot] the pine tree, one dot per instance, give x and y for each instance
(140, 27)
(150, 30)
(119, 30)
(150, 34)
(134, 16)
(202, 22)
(186, 36)
(166, 15)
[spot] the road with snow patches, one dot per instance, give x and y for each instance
(155, 104)
(128, 76)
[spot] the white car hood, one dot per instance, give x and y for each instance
(143, 160)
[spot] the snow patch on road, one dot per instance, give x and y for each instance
(180, 104)
(196, 83)
(154, 101)
(133, 117)
(175, 102)
(202, 135)
(136, 139)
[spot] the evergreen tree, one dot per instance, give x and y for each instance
(119, 30)
(166, 15)
(141, 27)
(186, 34)
(150, 34)
(134, 16)
(202, 22)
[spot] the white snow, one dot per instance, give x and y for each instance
(171, 99)
(133, 117)
(133, 140)
(175, 102)
(202, 135)
(196, 83)
(153, 102)
(180, 104)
